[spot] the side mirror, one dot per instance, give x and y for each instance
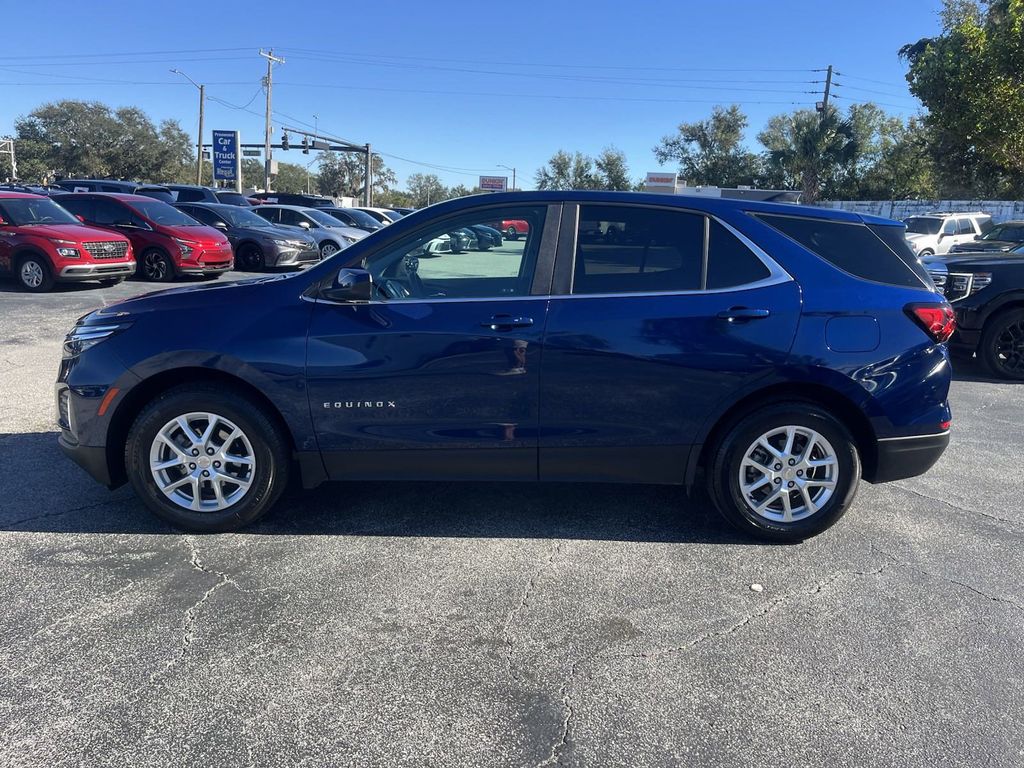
(3, 221)
(220, 225)
(352, 285)
(305, 225)
(80, 217)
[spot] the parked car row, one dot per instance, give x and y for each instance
(108, 230)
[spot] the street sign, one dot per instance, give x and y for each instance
(227, 161)
(251, 152)
(494, 183)
(317, 144)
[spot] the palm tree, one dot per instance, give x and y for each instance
(808, 149)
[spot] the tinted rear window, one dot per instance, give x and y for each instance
(730, 262)
(854, 248)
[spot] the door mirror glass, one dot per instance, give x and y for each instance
(220, 225)
(80, 218)
(351, 285)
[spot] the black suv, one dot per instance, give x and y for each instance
(156, 191)
(987, 293)
(290, 198)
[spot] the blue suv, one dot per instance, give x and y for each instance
(773, 353)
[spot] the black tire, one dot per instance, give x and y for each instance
(111, 281)
(250, 258)
(926, 252)
(511, 233)
(1001, 349)
(155, 265)
(34, 274)
(727, 455)
(269, 451)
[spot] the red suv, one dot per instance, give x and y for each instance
(41, 243)
(167, 241)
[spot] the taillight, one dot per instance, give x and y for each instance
(937, 320)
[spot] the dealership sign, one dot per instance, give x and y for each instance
(227, 159)
(660, 181)
(494, 183)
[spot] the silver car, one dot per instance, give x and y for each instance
(330, 234)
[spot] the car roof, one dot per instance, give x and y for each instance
(710, 205)
(208, 204)
(8, 195)
(287, 206)
(121, 196)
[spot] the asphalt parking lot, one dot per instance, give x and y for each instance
(503, 625)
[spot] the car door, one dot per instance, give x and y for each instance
(947, 236)
(8, 236)
(659, 316)
(437, 376)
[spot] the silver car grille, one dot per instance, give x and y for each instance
(108, 249)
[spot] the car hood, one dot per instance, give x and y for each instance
(915, 236)
(77, 232)
(986, 245)
(183, 298)
(205, 236)
(973, 260)
(352, 232)
(278, 233)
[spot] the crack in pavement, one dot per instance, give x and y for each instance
(555, 755)
(522, 605)
(1013, 523)
(188, 624)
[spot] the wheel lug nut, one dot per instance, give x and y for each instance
(799, 473)
(206, 473)
(791, 484)
(216, 465)
(778, 480)
(191, 465)
(209, 451)
(778, 467)
(792, 462)
(195, 451)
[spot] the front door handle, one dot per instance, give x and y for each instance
(742, 314)
(507, 322)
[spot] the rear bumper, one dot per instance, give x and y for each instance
(903, 457)
(96, 271)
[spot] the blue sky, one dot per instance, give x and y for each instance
(464, 86)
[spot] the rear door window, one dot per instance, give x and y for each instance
(79, 206)
(731, 263)
(965, 227)
(855, 248)
(626, 249)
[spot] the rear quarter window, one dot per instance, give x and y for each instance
(870, 252)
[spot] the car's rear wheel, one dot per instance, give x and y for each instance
(328, 249)
(205, 459)
(34, 274)
(926, 252)
(157, 266)
(1002, 345)
(250, 258)
(785, 472)
(511, 233)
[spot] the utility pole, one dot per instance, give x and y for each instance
(828, 89)
(269, 82)
(199, 140)
(367, 195)
(510, 168)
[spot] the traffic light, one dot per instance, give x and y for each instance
(284, 141)
(305, 145)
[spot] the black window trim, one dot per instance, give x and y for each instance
(776, 276)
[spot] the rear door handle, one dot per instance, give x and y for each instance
(507, 322)
(743, 314)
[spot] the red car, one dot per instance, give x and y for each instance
(41, 244)
(513, 228)
(167, 242)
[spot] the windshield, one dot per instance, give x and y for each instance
(363, 219)
(243, 217)
(27, 211)
(323, 219)
(234, 198)
(1011, 232)
(923, 225)
(164, 214)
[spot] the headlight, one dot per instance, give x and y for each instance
(349, 239)
(980, 280)
(66, 248)
(82, 337)
(185, 246)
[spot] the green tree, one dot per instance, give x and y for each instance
(807, 151)
(424, 189)
(342, 175)
(711, 152)
(87, 138)
(969, 78)
(612, 170)
(568, 171)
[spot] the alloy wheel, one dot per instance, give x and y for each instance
(202, 462)
(788, 474)
(32, 274)
(155, 266)
(327, 250)
(1009, 349)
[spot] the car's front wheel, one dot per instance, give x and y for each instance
(328, 249)
(34, 274)
(205, 459)
(157, 266)
(511, 233)
(785, 472)
(1002, 345)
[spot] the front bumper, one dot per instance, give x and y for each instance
(211, 268)
(290, 257)
(90, 458)
(901, 457)
(97, 271)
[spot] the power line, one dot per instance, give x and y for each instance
(123, 54)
